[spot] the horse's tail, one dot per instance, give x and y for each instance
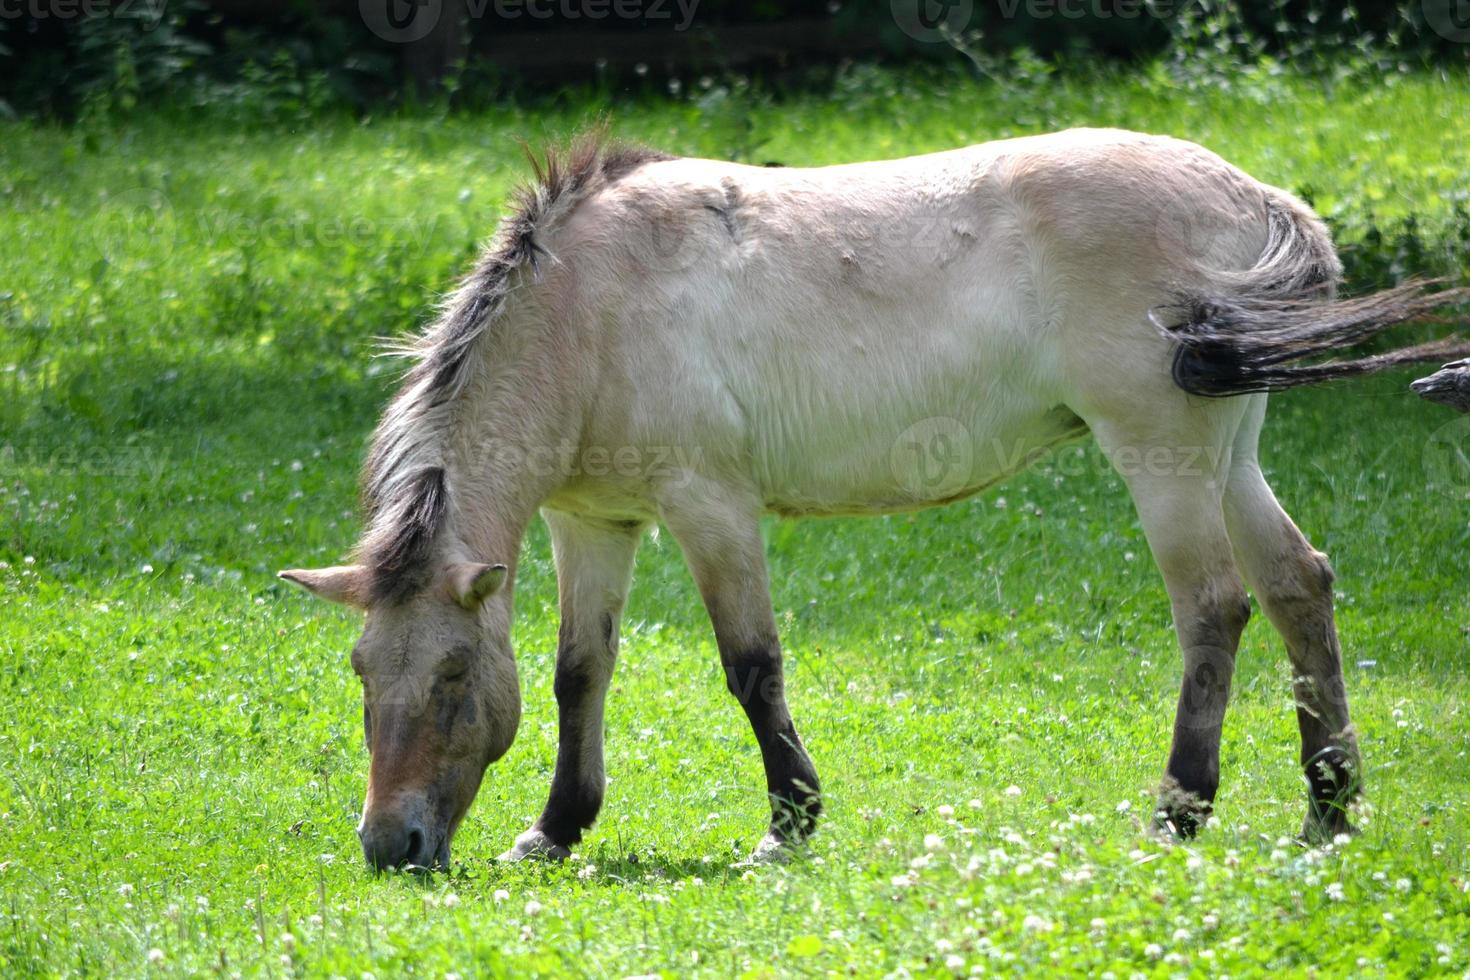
(1248, 332)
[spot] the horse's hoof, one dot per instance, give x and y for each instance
(1333, 785)
(1180, 813)
(771, 850)
(533, 845)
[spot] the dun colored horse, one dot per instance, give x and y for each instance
(699, 343)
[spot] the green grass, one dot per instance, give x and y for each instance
(187, 313)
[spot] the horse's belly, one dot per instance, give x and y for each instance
(915, 459)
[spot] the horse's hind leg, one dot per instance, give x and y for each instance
(1175, 475)
(1293, 583)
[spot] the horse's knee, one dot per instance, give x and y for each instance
(580, 677)
(1217, 616)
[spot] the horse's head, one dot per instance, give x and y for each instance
(440, 701)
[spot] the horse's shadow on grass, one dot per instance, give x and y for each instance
(624, 869)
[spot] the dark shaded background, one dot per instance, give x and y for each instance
(56, 56)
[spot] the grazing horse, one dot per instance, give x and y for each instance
(699, 343)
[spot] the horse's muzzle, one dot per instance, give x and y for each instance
(392, 841)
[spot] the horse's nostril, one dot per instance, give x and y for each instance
(415, 852)
(390, 843)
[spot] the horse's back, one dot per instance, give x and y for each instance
(804, 324)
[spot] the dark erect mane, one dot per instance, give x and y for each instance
(405, 491)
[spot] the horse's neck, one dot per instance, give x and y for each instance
(500, 451)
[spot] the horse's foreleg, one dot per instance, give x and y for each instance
(718, 529)
(594, 563)
(1177, 490)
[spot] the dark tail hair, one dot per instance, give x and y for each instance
(1281, 311)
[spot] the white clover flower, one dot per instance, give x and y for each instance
(1153, 951)
(1097, 925)
(1403, 885)
(288, 941)
(1035, 923)
(202, 902)
(945, 810)
(451, 900)
(1342, 840)
(954, 962)
(587, 871)
(533, 907)
(500, 895)
(1013, 790)
(1123, 807)
(1181, 935)
(125, 890)
(155, 955)
(933, 842)
(1334, 891)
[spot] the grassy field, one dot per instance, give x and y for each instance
(187, 307)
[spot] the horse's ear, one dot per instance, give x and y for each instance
(346, 584)
(471, 583)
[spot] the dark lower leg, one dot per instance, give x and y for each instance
(1329, 752)
(1293, 582)
(579, 783)
(754, 676)
(1192, 775)
(594, 563)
